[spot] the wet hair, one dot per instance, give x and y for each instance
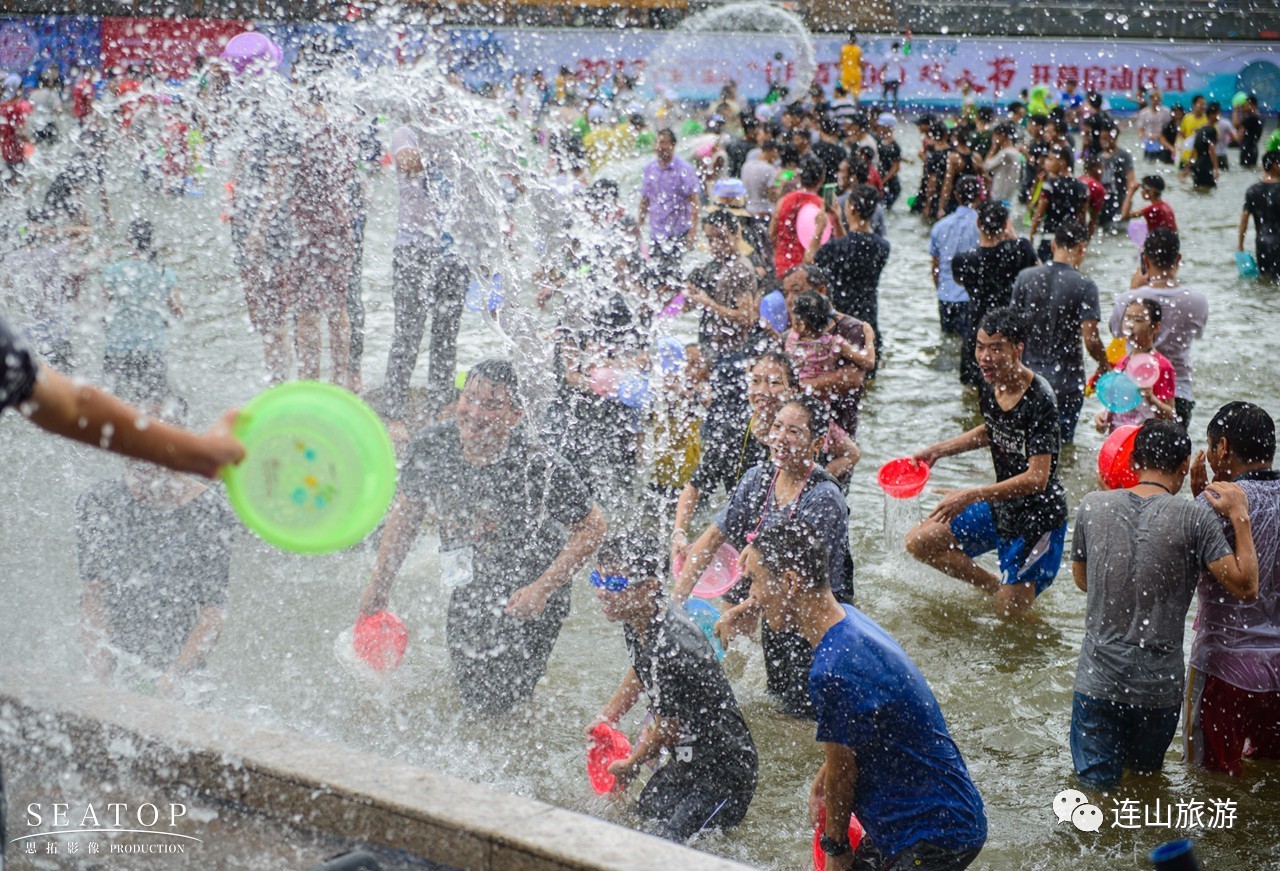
(501, 372)
(779, 359)
(1005, 128)
(812, 172)
(1063, 153)
(968, 190)
(992, 217)
(1162, 248)
(817, 276)
(669, 133)
(1038, 118)
(863, 200)
(639, 553)
(787, 154)
(829, 126)
(1214, 108)
(816, 411)
(986, 113)
(1154, 310)
(1016, 105)
(1161, 446)
(794, 546)
(1154, 182)
(1271, 160)
(1070, 234)
(769, 145)
(812, 309)
(1248, 428)
(1005, 321)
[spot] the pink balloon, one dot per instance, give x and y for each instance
(605, 380)
(1138, 231)
(806, 219)
(251, 51)
(1144, 369)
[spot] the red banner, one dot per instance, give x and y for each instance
(171, 45)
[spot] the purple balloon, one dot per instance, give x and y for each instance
(251, 51)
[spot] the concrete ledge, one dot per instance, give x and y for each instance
(319, 785)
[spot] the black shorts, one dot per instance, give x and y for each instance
(682, 800)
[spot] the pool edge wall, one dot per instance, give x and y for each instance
(320, 785)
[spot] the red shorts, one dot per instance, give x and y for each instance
(1226, 724)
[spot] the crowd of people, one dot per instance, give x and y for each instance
(765, 220)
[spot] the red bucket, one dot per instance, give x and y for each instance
(1113, 459)
(903, 478)
(608, 745)
(381, 640)
(855, 838)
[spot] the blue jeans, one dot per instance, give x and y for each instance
(1108, 737)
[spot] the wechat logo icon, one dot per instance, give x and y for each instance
(1073, 805)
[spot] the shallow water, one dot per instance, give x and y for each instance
(1004, 688)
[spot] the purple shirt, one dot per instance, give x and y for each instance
(668, 191)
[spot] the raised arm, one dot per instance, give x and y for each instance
(1237, 572)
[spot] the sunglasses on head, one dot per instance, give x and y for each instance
(612, 583)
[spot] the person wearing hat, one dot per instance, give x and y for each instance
(709, 777)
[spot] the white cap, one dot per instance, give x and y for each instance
(886, 120)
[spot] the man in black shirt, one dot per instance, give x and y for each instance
(1062, 309)
(828, 148)
(1262, 202)
(709, 778)
(503, 505)
(987, 274)
(1023, 516)
(1250, 132)
(1062, 199)
(854, 261)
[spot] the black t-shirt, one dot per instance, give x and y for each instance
(1251, 130)
(1169, 132)
(18, 368)
(1065, 196)
(832, 155)
(988, 274)
(684, 681)
(1262, 200)
(512, 512)
(1027, 430)
(890, 153)
(728, 449)
(159, 566)
(854, 263)
(1057, 299)
(737, 150)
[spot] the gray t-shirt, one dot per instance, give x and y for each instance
(1057, 299)
(1183, 316)
(1143, 557)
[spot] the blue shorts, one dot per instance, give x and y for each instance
(975, 530)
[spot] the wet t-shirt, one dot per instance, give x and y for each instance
(1057, 299)
(754, 507)
(18, 368)
(732, 284)
(1027, 430)
(854, 263)
(683, 680)
(1262, 201)
(987, 273)
(912, 783)
(139, 292)
(512, 512)
(158, 566)
(1143, 556)
(1065, 199)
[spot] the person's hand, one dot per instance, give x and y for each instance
(1228, 500)
(953, 502)
(1132, 186)
(528, 603)
(818, 796)
(928, 455)
(1102, 421)
(590, 727)
(218, 447)
(624, 770)
(679, 547)
(741, 619)
(1199, 474)
(819, 224)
